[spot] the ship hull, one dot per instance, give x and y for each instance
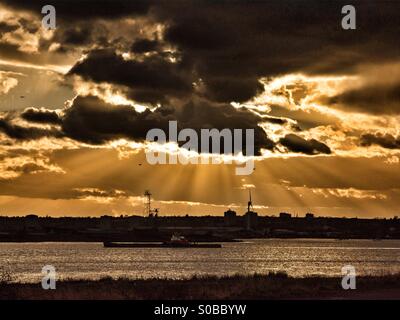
(160, 245)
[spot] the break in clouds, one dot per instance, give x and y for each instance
(114, 71)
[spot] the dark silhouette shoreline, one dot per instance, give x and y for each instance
(273, 286)
(199, 229)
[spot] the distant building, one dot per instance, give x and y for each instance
(309, 215)
(31, 216)
(229, 217)
(285, 215)
(32, 223)
(251, 220)
(229, 213)
(105, 222)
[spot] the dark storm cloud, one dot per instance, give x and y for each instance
(41, 116)
(145, 45)
(275, 120)
(199, 114)
(28, 25)
(11, 51)
(27, 168)
(92, 120)
(231, 45)
(242, 42)
(305, 119)
(4, 27)
(24, 24)
(151, 80)
(26, 133)
(297, 144)
(85, 9)
(386, 141)
(79, 35)
(224, 48)
(231, 89)
(376, 99)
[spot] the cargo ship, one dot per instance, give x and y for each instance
(175, 242)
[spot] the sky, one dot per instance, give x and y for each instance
(77, 102)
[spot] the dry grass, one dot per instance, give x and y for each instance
(270, 286)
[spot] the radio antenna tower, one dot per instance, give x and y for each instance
(249, 203)
(147, 204)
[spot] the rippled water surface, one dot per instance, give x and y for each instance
(298, 257)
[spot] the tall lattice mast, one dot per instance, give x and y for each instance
(147, 204)
(249, 203)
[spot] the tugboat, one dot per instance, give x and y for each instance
(175, 242)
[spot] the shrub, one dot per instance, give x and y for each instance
(5, 276)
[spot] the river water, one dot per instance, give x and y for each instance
(297, 257)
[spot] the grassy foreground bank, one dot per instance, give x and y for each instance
(271, 286)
